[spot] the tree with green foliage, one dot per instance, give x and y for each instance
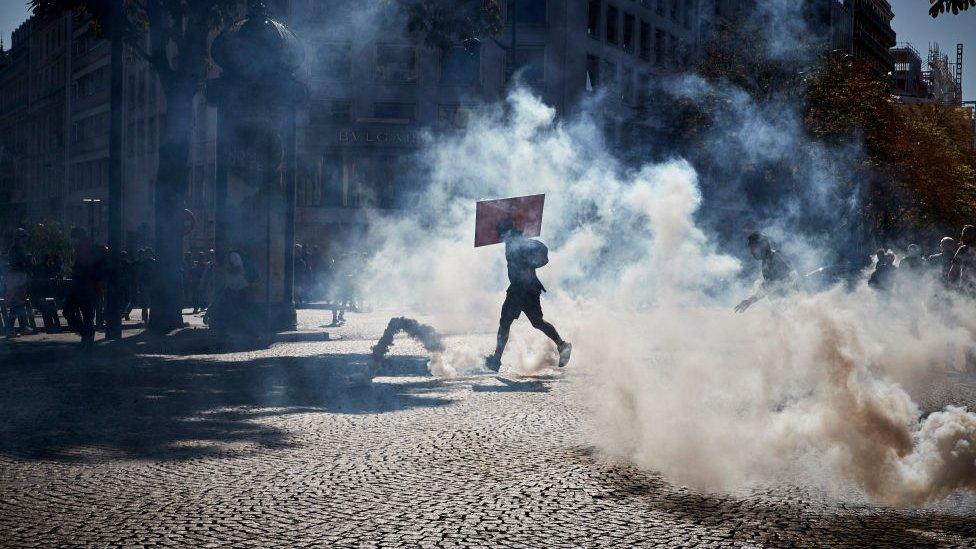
(955, 6)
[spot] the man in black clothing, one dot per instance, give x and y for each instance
(524, 256)
(943, 259)
(962, 273)
(82, 298)
(884, 271)
(18, 283)
(777, 275)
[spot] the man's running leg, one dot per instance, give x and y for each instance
(511, 310)
(533, 310)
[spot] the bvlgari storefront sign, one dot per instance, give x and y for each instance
(384, 137)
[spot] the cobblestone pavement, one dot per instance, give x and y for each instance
(264, 448)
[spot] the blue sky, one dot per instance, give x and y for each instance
(12, 14)
(912, 24)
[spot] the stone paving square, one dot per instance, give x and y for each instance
(263, 448)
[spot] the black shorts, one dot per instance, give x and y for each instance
(518, 301)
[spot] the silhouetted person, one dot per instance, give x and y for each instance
(126, 283)
(18, 284)
(913, 261)
(962, 273)
(778, 276)
(883, 275)
(145, 268)
(524, 294)
(82, 296)
(231, 310)
(943, 259)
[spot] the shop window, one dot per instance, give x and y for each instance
(531, 63)
(593, 18)
(396, 63)
(530, 12)
(461, 68)
(612, 21)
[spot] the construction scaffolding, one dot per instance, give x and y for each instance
(944, 79)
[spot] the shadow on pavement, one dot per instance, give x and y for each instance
(129, 405)
(514, 386)
(784, 521)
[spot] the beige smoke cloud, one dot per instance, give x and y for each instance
(676, 381)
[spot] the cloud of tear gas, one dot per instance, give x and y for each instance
(820, 385)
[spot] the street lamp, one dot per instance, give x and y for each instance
(92, 204)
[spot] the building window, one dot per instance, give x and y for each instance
(453, 115)
(530, 12)
(659, 47)
(645, 40)
(394, 111)
(340, 111)
(593, 18)
(592, 72)
(609, 72)
(675, 10)
(612, 17)
(333, 61)
(461, 68)
(627, 89)
(396, 63)
(662, 8)
(531, 63)
(628, 41)
(644, 89)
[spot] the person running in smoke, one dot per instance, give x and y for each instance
(524, 256)
(778, 276)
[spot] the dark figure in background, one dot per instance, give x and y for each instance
(230, 311)
(962, 273)
(524, 294)
(102, 252)
(145, 267)
(206, 286)
(126, 283)
(18, 285)
(194, 280)
(82, 296)
(301, 276)
(913, 262)
(943, 259)
(884, 271)
(313, 260)
(46, 291)
(186, 271)
(778, 276)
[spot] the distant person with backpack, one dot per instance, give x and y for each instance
(524, 256)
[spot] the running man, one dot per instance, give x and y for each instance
(524, 256)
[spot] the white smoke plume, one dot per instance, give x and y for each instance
(820, 382)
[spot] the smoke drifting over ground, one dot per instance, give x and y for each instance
(816, 383)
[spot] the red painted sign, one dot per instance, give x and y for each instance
(525, 212)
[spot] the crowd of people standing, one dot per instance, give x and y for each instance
(954, 265)
(29, 284)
